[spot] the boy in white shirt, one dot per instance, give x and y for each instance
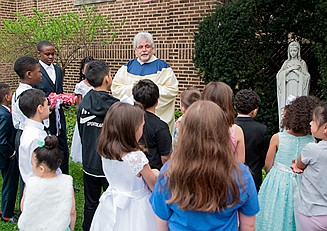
(28, 70)
(34, 105)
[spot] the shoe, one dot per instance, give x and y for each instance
(12, 220)
(17, 213)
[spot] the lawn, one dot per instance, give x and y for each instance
(75, 170)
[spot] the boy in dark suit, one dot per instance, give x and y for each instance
(255, 133)
(8, 160)
(52, 81)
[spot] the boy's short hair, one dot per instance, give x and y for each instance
(4, 90)
(96, 71)
(24, 64)
(146, 92)
(246, 101)
(29, 100)
(189, 96)
(42, 44)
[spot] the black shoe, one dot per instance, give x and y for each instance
(12, 220)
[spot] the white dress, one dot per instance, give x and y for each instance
(76, 149)
(125, 204)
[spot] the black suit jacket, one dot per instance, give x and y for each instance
(7, 136)
(256, 146)
(47, 86)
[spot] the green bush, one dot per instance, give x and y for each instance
(237, 43)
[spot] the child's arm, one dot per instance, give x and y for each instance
(164, 159)
(162, 225)
(298, 166)
(271, 152)
(240, 148)
(73, 214)
(78, 100)
(149, 176)
(247, 223)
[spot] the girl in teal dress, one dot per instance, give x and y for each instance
(276, 195)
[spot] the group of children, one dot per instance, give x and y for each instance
(203, 182)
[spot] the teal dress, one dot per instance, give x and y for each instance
(277, 190)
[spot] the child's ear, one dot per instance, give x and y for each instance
(254, 113)
(40, 109)
(42, 168)
(28, 75)
(38, 54)
(107, 81)
(7, 97)
(325, 129)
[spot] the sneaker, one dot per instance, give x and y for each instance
(12, 220)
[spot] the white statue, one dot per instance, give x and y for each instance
(293, 78)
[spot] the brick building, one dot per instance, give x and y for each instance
(172, 23)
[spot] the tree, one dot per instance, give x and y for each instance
(243, 43)
(68, 32)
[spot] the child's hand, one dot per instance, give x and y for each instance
(51, 108)
(295, 168)
(66, 104)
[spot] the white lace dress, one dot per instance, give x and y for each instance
(125, 204)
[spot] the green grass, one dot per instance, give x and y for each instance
(75, 170)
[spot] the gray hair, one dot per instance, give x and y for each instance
(143, 35)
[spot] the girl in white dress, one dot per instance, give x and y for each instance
(125, 204)
(48, 202)
(81, 89)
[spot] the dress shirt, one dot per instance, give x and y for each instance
(50, 71)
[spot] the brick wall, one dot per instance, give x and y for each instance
(172, 23)
(7, 8)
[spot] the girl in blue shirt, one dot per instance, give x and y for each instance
(203, 187)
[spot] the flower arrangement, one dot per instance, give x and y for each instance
(66, 99)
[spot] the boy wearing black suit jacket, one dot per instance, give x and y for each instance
(255, 133)
(8, 160)
(52, 81)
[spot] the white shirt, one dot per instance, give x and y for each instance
(50, 71)
(18, 117)
(32, 133)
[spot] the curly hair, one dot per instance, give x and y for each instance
(298, 114)
(246, 101)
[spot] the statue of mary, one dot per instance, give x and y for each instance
(293, 78)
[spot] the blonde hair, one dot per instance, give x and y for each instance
(202, 173)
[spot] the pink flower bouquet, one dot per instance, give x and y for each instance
(66, 99)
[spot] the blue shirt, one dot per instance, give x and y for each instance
(196, 220)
